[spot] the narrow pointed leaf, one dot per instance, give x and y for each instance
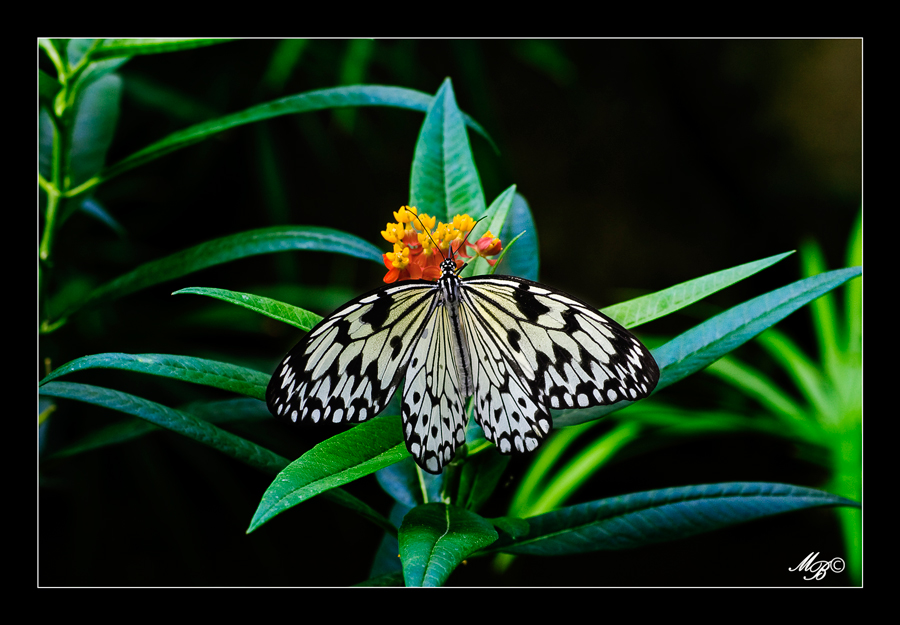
(343, 458)
(514, 526)
(712, 339)
(649, 307)
(223, 250)
(213, 373)
(297, 317)
(352, 95)
(96, 115)
(215, 412)
(658, 516)
(444, 181)
(759, 386)
(111, 48)
(435, 538)
(170, 419)
(495, 218)
(707, 342)
(113, 434)
(479, 477)
(202, 431)
(523, 259)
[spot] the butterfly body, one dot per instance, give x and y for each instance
(519, 347)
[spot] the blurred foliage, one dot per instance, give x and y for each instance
(827, 415)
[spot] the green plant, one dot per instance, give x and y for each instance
(829, 418)
(440, 524)
(828, 413)
(84, 97)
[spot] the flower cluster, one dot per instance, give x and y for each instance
(414, 237)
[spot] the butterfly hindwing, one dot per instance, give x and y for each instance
(507, 407)
(434, 418)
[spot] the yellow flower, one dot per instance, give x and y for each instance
(393, 232)
(463, 223)
(400, 257)
(406, 214)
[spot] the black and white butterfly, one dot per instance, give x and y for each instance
(519, 347)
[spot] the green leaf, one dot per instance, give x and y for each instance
(640, 310)
(285, 58)
(496, 214)
(658, 516)
(444, 181)
(216, 412)
(759, 386)
(171, 419)
(435, 538)
(55, 49)
(112, 434)
(515, 527)
(90, 206)
(82, 71)
(387, 579)
(343, 458)
(354, 95)
(212, 373)
(46, 137)
(712, 339)
(96, 115)
(202, 431)
(707, 342)
(495, 218)
(579, 469)
(297, 317)
(478, 478)
(825, 319)
(853, 300)
(111, 48)
(77, 50)
(524, 258)
(345, 499)
(405, 481)
(223, 250)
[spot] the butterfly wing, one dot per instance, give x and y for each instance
(531, 348)
(434, 417)
(349, 365)
(535, 348)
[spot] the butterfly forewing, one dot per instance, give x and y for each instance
(349, 365)
(555, 352)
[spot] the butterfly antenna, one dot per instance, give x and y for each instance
(428, 232)
(465, 240)
(452, 251)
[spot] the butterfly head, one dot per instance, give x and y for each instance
(449, 267)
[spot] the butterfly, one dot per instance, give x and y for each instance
(518, 347)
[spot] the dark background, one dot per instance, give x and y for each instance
(645, 163)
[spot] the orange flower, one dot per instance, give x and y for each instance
(415, 237)
(488, 245)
